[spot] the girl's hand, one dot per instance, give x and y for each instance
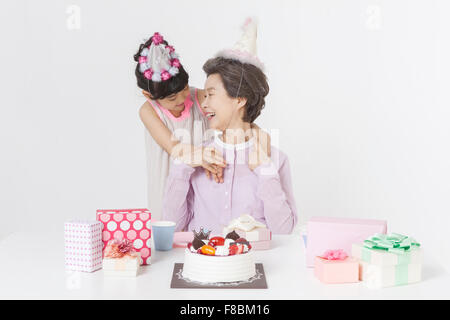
(196, 156)
(258, 155)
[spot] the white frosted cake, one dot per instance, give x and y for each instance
(218, 259)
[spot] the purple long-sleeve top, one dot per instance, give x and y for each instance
(192, 200)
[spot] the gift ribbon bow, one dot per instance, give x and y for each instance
(394, 242)
(245, 223)
(119, 248)
(335, 255)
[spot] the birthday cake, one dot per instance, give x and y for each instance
(218, 259)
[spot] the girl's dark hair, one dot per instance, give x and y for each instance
(254, 86)
(163, 89)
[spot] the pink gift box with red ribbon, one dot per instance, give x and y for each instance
(336, 271)
(131, 224)
(330, 232)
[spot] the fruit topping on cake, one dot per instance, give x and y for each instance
(232, 244)
(208, 250)
(216, 241)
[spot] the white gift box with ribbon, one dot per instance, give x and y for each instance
(126, 266)
(252, 230)
(388, 260)
(378, 276)
(121, 259)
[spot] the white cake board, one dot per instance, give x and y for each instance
(256, 282)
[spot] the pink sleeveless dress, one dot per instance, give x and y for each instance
(188, 128)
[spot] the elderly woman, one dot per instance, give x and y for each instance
(254, 182)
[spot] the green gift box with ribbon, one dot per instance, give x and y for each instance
(388, 260)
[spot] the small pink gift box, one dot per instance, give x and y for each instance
(326, 232)
(182, 238)
(261, 245)
(336, 271)
(131, 224)
(259, 234)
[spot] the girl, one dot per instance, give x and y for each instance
(171, 106)
(255, 182)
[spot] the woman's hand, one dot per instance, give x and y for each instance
(217, 175)
(214, 164)
(258, 155)
(264, 138)
(195, 156)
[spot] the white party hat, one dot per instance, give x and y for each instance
(245, 49)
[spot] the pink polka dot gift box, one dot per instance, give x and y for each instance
(83, 245)
(131, 224)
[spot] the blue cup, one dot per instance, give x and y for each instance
(162, 232)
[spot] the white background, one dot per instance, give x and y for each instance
(359, 96)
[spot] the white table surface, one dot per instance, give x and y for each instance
(32, 267)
